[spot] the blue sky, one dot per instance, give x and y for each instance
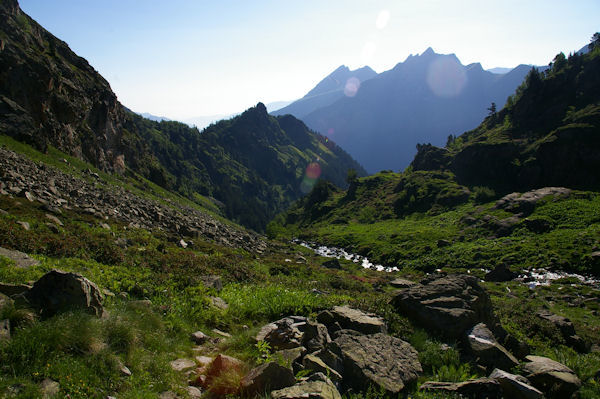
(184, 58)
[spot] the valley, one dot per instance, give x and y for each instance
(258, 259)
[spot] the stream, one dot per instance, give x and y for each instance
(533, 278)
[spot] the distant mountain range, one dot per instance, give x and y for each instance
(379, 118)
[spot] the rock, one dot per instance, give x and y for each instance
(315, 336)
(220, 365)
(182, 243)
(402, 283)
(317, 386)
(443, 243)
(377, 359)
(49, 388)
(500, 273)
(267, 377)
(193, 392)
(212, 281)
(551, 377)
(517, 202)
(54, 220)
(290, 356)
(449, 305)
(481, 388)
(198, 337)
(4, 329)
(29, 196)
(486, 349)
(105, 226)
(203, 361)
(284, 333)
(182, 364)
(219, 303)
(566, 328)
(538, 225)
(332, 264)
(57, 291)
(515, 386)
(21, 259)
(221, 333)
(53, 228)
(125, 370)
(352, 319)
(316, 364)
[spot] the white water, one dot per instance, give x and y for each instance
(532, 278)
(340, 253)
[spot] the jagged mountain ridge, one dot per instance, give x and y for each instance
(393, 111)
(50, 96)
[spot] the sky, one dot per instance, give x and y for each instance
(190, 58)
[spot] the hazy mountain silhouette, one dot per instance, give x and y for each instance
(329, 90)
(423, 99)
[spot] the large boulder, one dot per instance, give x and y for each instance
(317, 386)
(317, 365)
(376, 359)
(267, 377)
(344, 317)
(449, 305)
(315, 337)
(58, 291)
(525, 202)
(501, 273)
(515, 386)
(481, 388)
(551, 377)
(486, 350)
(566, 328)
(285, 333)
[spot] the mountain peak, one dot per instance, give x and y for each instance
(428, 52)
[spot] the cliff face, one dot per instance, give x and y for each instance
(51, 96)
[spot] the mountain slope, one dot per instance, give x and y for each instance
(334, 86)
(254, 168)
(421, 99)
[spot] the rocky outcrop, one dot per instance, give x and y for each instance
(486, 350)
(267, 377)
(551, 377)
(449, 305)
(515, 386)
(317, 386)
(56, 190)
(58, 291)
(344, 317)
(525, 202)
(284, 333)
(566, 328)
(377, 359)
(22, 260)
(481, 388)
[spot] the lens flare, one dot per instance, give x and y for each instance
(446, 77)
(331, 131)
(351, 87)
(313, 171)
(382, 19)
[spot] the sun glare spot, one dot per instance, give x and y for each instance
(313, 171)
(331, 131)
(382, 19)
(446, 77)
(351, 87)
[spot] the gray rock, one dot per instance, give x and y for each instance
(481, 388)
(402, 283)
(57, 291)
(316, 364)
(21, 259)
(315, 336)
(49, 388)
(551, 377)
(182, 364)
(198, 337)
(566, 328)
(285, 333)
(193, 392)
(54, 220)
(500, 273)
(316, 387)
(212, 281)
(290, 356)
(219, 303)
(515, 386)
(267, 377)
(486, 349)
(517, 202)
(376, 359)
(352, 319)
(449, 305)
